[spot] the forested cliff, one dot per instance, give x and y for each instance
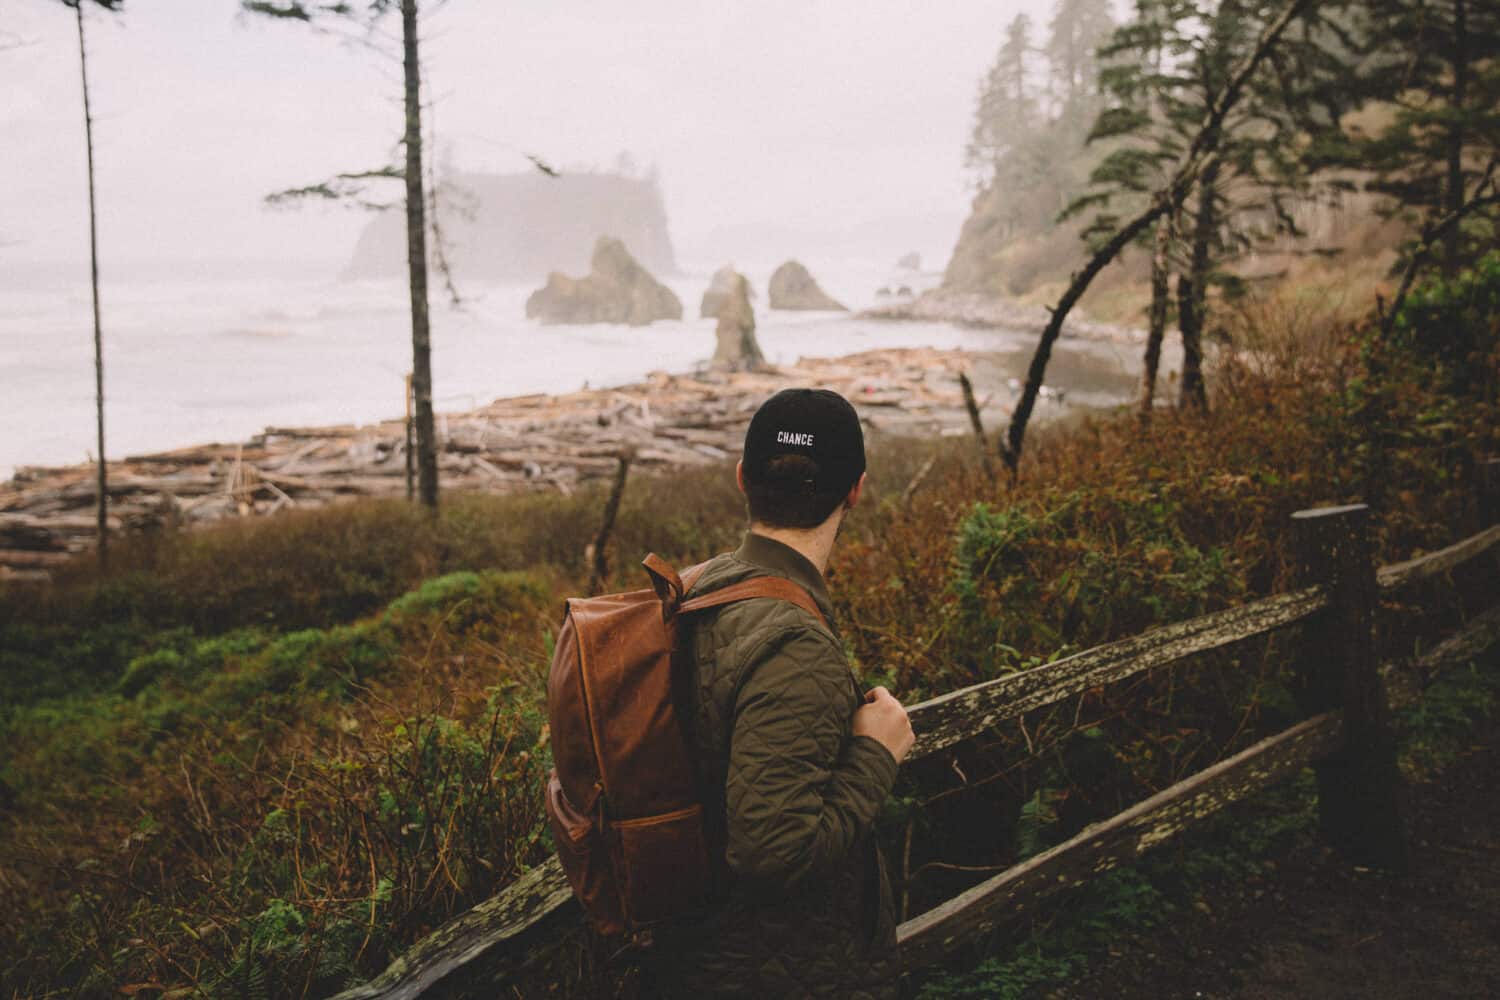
(1368, 125)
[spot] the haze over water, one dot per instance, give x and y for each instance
(220, 359)
(831, 132)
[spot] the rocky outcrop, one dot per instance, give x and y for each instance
(720, 288)
(617, 290)
(737, 347)
(520, 227)
(793, 288)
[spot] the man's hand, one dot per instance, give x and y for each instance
(884, 720)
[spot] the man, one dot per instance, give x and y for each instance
(793, 761)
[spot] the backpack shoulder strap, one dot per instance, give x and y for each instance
(671, 588)
(668, 585)
(776, 587)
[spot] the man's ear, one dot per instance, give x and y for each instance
(858, 488)
(739, 474)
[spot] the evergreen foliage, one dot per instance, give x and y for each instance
(1433, 71)
(269, 781)
(1007, 107)
(1162, 70)
(1031, 113)
(1074, 33)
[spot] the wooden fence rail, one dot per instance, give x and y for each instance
(1013, 893)
(950, 718)
(1348, 739)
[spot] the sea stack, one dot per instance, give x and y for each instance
(617, 290)
(792, 287)
(720, 288)
(737, 347)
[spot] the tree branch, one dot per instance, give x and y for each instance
(1433, 231)
(345, 187)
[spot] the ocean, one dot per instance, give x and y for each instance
(195, 359)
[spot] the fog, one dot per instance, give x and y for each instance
(770, 123)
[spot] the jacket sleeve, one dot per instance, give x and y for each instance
(801, 789)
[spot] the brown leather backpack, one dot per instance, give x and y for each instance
(623, 800)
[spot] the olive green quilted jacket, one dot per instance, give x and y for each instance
(791, 795)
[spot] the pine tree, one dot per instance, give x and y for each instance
(1162, 70)
(1435, 66)
(1165, 200)
(416, 203)
(1006, 113)
(1077, 29)
(1026, 150)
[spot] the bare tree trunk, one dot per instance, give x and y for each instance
(598, 552)
(1011, 446)
(1453, 188)
(411, 491)
(1191, 385)
(88, 132)
(1192, 289)
(416, 259)
(1168, 199)
(972, 405)
(1157, 321)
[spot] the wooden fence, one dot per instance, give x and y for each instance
(1347, 737)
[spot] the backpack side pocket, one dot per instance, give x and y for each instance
(664, 864)
(581, 850)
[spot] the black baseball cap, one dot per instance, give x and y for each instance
(817, 424)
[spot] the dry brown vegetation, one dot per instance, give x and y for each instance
(263, 757)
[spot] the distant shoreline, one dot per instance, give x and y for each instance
(993, 312)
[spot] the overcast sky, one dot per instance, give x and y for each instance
(814, 115)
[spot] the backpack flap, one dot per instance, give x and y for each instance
(625, 658)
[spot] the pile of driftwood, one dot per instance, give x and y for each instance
(522, 443)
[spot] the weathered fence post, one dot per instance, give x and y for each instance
(1359, 786)
(1489, 492)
